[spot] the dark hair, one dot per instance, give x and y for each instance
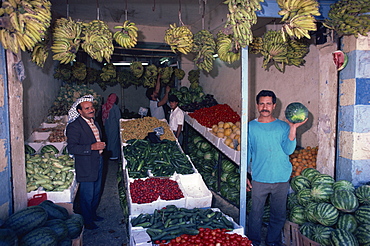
(79, 107)
(149, 93)
(266, 93)
(173, 98)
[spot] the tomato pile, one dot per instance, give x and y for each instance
(211, 116)
(148, 190)
(209, 237)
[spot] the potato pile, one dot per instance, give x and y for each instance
(139, 129)
(228, 131)
(302, 159)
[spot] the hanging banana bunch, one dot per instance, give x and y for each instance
(66, 40)
(256, 46)
(348, 17)
(150, 76)
(204, 47)
(297, 50)
(274, 49)
(97, 40)
(166, 74)
(227, 49)
(25, 23)
(179, 73)
(40, 53)
(298, 17)
(108, 72)
(179, 38)
(241, 17)
(79, 70)
(127, 36)
(137, 69)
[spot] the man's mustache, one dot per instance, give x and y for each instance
(264, 110)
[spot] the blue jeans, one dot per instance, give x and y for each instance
(89, 196)
(278, 196)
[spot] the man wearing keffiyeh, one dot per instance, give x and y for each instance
(84, 143)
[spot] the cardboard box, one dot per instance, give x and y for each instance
(48, 125)
(195, 190)
(69, 207)
(38, 137)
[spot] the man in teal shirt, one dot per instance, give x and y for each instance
(270, 142)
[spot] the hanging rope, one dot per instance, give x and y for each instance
(126, 12)
(153, 8)
(67, 9)
(180, 20)
(97, 10)
(203, 6)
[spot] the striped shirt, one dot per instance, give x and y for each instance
(94, 130)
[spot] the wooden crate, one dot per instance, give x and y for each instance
(291, 234)
(305, 241)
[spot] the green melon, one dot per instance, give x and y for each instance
(362, 214)
(54, 211)
(322, 179)
(321, 192)
(343, 185)
(296, 112)
(78, 218)
(363, 194)
(300, 182)
(362, 234)
(292, 200)
(347, 222)
(304, 197)
(309, 211)
(340, 237)
(59, 227)
(306, 229)
(26, 220)
(65, 242)
(43, 236)
(8, 237)
(297, 215)
(344, 200)
(321, 234)
(74, 228)
(326, 214)
(310, 173)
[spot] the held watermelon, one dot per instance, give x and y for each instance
(296, 112)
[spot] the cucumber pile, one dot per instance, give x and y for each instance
(162, 159)
(171, 222)
(48, 171)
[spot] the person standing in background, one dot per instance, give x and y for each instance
(156, 105)
(111, 115)
(84, 143)
(176, 118)
(270, 142)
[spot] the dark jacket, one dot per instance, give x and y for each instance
(79, 140)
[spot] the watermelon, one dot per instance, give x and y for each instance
(296, 112)
(309, 211)
(321, 192)
(65, 242)
(8, 237)
(54, 211)
(347, 222)
(49, 148)
(306, 229)
(363, 194)
(310, 173)
(362, 234)
(340, 237)
(344, 200)
(362, 214)
(292, 200)
(42, 236)
(74, 228)
(228, 166)
(208, 156)
(326, 214)
(322, 179)
(205, 146)
(59, 227)
(321, 234)
(343, 185)
(297, 215)
(304, 197)
(300, 182)
(26, 220)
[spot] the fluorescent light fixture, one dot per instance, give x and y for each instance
(215, 55)
(128, 63)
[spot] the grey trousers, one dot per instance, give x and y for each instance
(278, 196)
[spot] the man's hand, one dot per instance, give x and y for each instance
(296, 125)
(249, 185)
(98, 146)
(293, 128)
(168, 89)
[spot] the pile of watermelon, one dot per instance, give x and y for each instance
(330, 212)
(44, 224)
